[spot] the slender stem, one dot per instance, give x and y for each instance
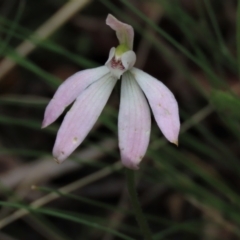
(136, 205)
(238, 36)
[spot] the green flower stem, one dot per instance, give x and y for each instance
(136, 205)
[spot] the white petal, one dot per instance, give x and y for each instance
(111, 55)
(118, 65)
(162, 102)
(81, 117)
(128, 59)
(69, 90)
(134, 122)
(116, 72)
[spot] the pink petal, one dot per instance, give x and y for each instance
(134, 122)
(162, 102)
(125, 33)
(81, 117)
(69, 90)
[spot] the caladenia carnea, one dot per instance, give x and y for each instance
(90, 89)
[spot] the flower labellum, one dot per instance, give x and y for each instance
(90, 89)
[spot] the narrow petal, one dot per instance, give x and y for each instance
(81, 117)
(69, 90)
(125, 33)
(162, 102)
(134, 122)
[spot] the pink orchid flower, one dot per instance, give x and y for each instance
(91, 89)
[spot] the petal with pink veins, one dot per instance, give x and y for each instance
(124, 32)
(134, 122)
(81, 117)
(69, 90)
(162, 102)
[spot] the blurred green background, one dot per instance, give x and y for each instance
(189, 192)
